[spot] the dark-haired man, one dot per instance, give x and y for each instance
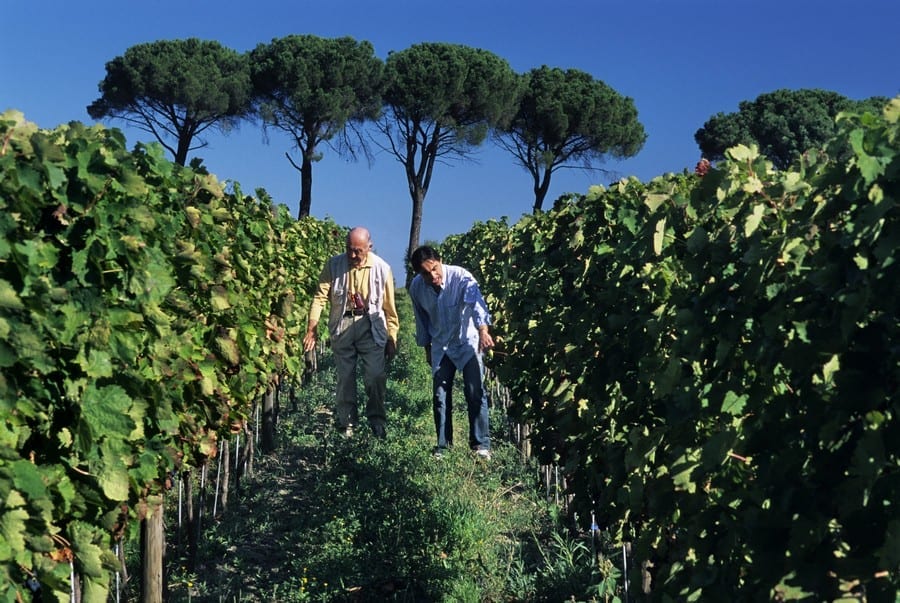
(452, 324)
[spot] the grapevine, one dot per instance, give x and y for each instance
(712, 360)
(144, 309)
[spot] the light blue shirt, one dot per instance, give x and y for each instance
(449, 320)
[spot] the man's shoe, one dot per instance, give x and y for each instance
(379, 431)
(484, 453)
(438, 452)
(347, 432)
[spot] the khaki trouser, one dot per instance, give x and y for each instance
(355, 343)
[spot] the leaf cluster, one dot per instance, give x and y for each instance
(568, 115)
(713, 362)
(144, 311)
(177, 89)
(311, 87)
(452, 86)
(784, 124)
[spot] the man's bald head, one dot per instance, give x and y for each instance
(359, 242)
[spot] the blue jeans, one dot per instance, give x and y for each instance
(476, 402)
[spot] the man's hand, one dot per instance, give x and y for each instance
(485, 341)
(428, 354)
(390, 349)
(309, 341)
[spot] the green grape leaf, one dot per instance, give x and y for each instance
(98, 364)
(87, 554)
(697, 240)
(659, 233)
(654, 200)
(228, 348)
(153, 281)
(105, 410)
(870, 167)
(219, 298)
(13, 528)
(27, 478)
(753, 220)
(9, 298)
(112, 475)
(830, 368)
(41, 255)
(733, 404)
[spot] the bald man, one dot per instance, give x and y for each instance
(362, 324)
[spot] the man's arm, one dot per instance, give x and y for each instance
(320, 299)
(423, 334)
(481, 315)
(391, 319)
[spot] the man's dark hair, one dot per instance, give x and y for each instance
(423, 254)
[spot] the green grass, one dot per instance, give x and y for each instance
(326, 518)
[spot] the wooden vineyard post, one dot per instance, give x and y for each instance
(268, 422)
(153, 544)
(226, 473)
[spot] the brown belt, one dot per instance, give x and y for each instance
(354, 313)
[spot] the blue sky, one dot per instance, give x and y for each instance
(681, 62)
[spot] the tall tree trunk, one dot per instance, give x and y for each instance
(305, 169)
(415, 228)
(306, 184)
(540, 190)
(153, 545)
(418, 178)
(182, 150)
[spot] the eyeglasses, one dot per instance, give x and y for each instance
(356, 250)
